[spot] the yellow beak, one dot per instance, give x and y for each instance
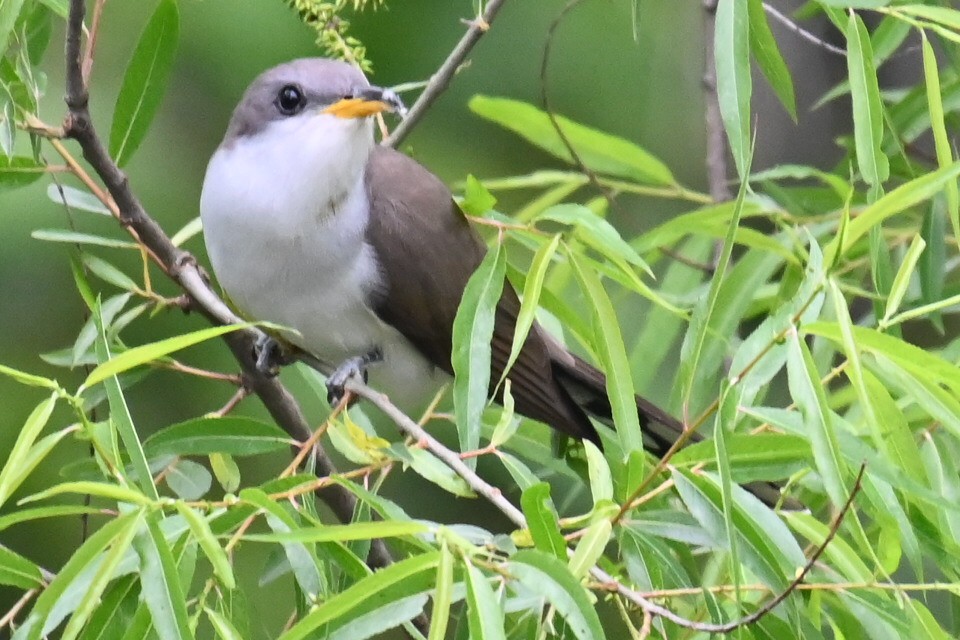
(357, 108)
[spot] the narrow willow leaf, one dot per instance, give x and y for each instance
(119, 412)
(17, 571)
(431, 468)
(189, 230)
(188, 480)
(400, 580)
(9, 12)
(765, 544)
(508, 423)
(608, 343)
(149, 352)
(28, 378)
(902, 280)
(442, 596)
(209, 545)
(767, 53)
(90, 487)
(933, 260)
(226, 471)
(484, 613)
(104, 574)
(73, 237)
(807, 392)
(472, 334)
(938, 126)
(724, 423)
(947, 16)
(734, 84)
(546, 575)
(477, 200)
(108, 273)
(600, 151)
(543, 521)
(521, 474)
(301, 557)
(116, 611)
(223, 627)
(38, 513)
(76, 199)
(601, 481)
(13, 473)
(531, 298)
(595, 231)
(345, 532)
(161, 588)
(145, 81)
(843, 558)
(898, 200)
(18, 171)
(590, 548)
(40, 622)
(234, 435)
(867, 107)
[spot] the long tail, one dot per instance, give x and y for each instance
(587, 386)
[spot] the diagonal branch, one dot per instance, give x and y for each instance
(441, 79)
(183, 269)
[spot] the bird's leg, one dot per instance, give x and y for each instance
(270, 355)
(355, 367)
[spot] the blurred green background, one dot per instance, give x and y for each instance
(631, 70)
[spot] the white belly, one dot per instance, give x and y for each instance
(306, 267)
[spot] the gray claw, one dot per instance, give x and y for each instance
(270, 356)
(355, 367)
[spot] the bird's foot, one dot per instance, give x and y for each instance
(270, 355)
(355, 367)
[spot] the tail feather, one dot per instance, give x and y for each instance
(587, 386)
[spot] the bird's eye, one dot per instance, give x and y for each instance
(290, 100)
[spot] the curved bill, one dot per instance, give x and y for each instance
(368, 102)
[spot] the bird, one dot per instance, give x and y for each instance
(362, 254)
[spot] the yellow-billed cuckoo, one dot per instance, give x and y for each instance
(363, 252)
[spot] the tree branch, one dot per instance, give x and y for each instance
(441, 79)
(182, 268)
(716, 138)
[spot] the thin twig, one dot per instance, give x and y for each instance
(232, 403)
(441, 79)
(182, 268)
(92, 40)
(800, 31)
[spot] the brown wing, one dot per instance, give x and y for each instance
(427, 252)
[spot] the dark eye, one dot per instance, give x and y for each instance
(290, 100)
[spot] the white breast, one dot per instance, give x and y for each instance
(284, 215)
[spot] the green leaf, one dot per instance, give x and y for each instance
(542, 520)
(226, 471)
(763, 541)
(600, 151)
(601, 482)
(222, 625)
(301, 557)
(37, 513)
(484, 613)
(734, 84)
(9, 12)
(76, 199)
(17, 571)
(767, 53)
(867, 107)
(548, 576)
(233, 435)
(116, 612)
(187, 479)
(810, 396)
(590, 548)
(433, 469)
(476, 199)
(442, 596)
(531, 299)
(144, 81)
(101, 579)
(345, 532)
(28, 378)
(472, 334)
(119, 412)
(608, 343)
(209, 545)
(902, 280)
(108, 273)
(18, 171)
(595, 231)
(73, 237)
(937, 125)
(89, 487)
(900, 199)
(947, 16)
(160, 582)
(13, 473)
(399, 580)
(149, 352)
